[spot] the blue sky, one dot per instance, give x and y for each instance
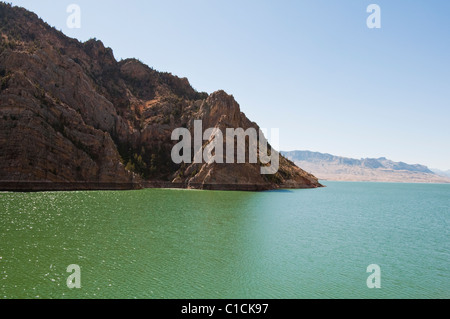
(311, 68)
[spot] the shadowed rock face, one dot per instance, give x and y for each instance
(70, 114)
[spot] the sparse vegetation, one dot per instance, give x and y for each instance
(4, 84)
(275, 178)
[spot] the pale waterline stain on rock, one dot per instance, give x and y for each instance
(72, 117)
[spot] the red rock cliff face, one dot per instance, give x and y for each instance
(72, 117)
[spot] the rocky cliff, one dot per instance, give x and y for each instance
(72, 117)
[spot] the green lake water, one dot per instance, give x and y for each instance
(205, 244)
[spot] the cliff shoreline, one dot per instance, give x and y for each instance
(30, 187)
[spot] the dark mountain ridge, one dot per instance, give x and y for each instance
(72, 117)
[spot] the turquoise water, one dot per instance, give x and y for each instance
(198, 244)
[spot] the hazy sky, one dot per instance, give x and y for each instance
(311, 68)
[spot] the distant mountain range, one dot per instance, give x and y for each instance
(440, 172)
(337, 168)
